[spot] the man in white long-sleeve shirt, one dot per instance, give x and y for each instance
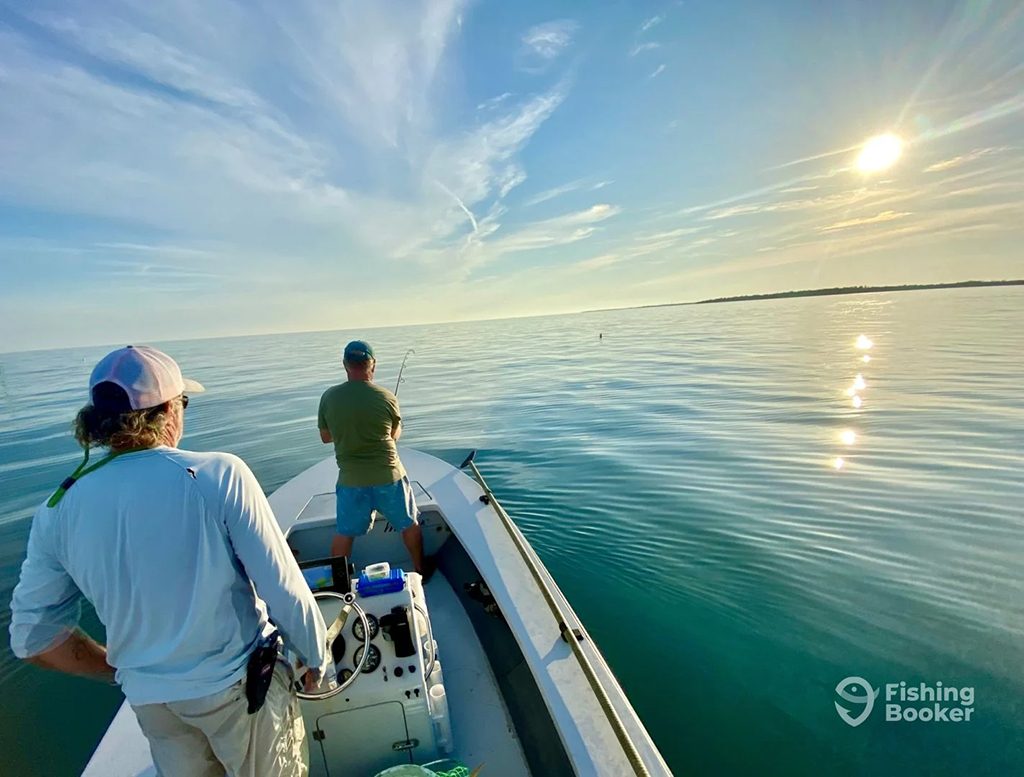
(168, 546)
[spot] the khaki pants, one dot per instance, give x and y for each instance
(215, 736)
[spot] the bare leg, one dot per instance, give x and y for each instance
(342, 546)
(413, 539)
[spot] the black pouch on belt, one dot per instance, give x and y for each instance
(261, 672)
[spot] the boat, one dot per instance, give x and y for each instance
(485, 668)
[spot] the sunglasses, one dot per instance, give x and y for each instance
(184, 401)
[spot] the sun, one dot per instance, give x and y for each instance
(879, 153)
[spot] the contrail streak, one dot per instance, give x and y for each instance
(806, 159)
(454, 196)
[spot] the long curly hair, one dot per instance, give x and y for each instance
(110, 422)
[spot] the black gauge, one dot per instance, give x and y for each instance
(357, 628)
(344, 674)
(338, 649)
(372, 660)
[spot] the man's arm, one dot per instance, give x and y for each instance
(45, 608)
(321, 422)
(79, 654)
(396, 420)
(261, 547)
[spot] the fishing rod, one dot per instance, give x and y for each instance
(400, 371)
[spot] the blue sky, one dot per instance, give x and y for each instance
(205, 167)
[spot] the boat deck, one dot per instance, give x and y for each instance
(481, 727)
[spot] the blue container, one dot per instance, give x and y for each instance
(395, 581)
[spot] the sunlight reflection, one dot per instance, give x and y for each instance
(849, 436)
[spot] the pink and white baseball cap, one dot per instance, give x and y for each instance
(149, 377)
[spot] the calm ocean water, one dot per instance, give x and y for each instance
(679, 478)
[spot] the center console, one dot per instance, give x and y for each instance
(396, 711)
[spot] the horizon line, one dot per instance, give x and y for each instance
(824, 291)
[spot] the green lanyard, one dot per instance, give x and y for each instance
(82, 471)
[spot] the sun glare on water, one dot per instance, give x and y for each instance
(879, 153)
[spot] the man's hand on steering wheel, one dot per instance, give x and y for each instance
(311, 678)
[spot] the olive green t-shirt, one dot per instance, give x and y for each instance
(360, 416)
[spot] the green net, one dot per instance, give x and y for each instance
(448, 769)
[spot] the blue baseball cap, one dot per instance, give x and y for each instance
(358, 351)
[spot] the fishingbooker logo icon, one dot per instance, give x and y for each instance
(856, 690)
(928, 702)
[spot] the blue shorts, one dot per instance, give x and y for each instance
(356, 505)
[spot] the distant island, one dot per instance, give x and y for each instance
(859, 290)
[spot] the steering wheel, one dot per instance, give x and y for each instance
(348, 604)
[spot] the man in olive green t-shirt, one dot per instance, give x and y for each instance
(363, 421)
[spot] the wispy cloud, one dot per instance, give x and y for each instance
(540, 235)
(481, 165)
(946, 164)
(166, 250)
(979, 117)
(116, 42)
(544, 43)
(957, 161)
(833, 201)
(558, 230)
(886, 215)
(761, 191)
(550, 194)
(597, 262)
(642, 47)
(651, 22)
(924, 230)
(494, 102)
(668, 235)
(558, 191)
(113, 269)
(657, 71)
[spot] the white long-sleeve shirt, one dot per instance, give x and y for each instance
(164, 543)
